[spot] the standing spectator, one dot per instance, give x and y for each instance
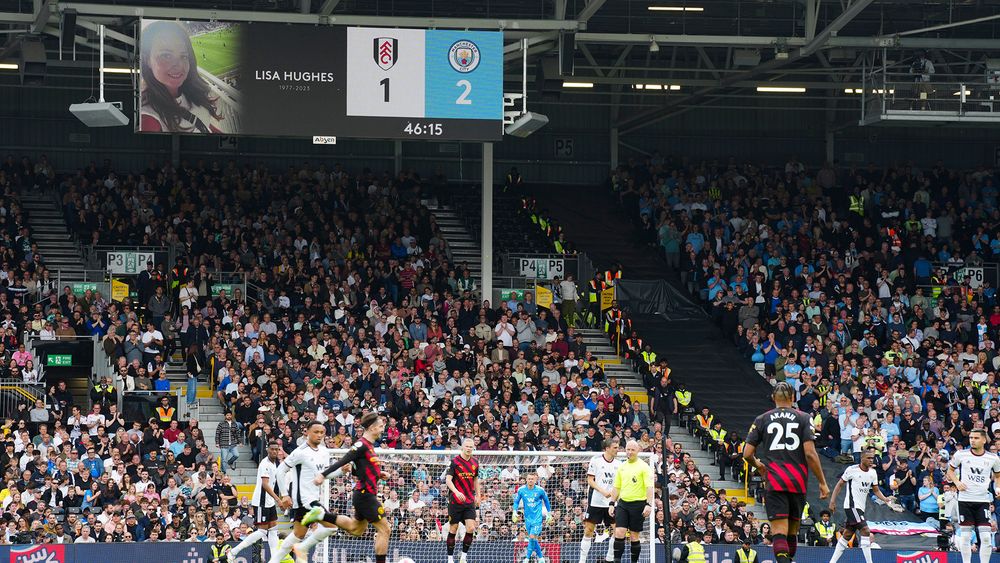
(228, 436)
(569, 295)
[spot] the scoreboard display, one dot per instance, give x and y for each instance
(311, 81)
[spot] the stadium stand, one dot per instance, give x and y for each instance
(354, 304)
(868, 298)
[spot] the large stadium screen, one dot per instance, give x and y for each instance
(308, 81)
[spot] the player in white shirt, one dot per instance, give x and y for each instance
(972, 470)
(601, 479)
(310, 459)
(860, 480)
(264, 502)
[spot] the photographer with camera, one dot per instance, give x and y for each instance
(922, 69)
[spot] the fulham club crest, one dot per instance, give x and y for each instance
(384, 51)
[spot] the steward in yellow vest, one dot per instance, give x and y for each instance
(826, 531)
(220, 550)
(745, 554)
(693, 551)
(858, 205)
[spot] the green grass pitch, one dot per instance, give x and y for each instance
(218, 51)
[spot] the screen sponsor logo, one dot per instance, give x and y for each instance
(386, 51)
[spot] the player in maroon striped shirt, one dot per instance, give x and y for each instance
(784, 440)
(463, 482)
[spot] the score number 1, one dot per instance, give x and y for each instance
(462, 100)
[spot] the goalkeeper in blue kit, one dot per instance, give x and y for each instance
(536, 509)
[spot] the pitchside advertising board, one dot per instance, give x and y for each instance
(323, 82)
(360, 551)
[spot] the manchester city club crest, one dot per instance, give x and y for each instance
(464, 56)
(385, 51)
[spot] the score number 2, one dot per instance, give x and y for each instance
(462, 100)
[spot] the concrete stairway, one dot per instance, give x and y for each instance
(614, 366)
(209, 414)
(704, 461)
(464, 246)
(50, 232)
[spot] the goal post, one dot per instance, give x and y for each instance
(415, 497)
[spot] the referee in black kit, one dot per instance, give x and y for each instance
(633, 489)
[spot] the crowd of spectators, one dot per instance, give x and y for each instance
(849, 284)
(353, 304)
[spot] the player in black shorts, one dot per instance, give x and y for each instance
(463, 483)
(781, 445)
(367, 508)
(861, 481)
(973, 471)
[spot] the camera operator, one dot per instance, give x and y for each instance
(947, 515)
(922, 69)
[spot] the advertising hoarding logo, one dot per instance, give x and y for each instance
(385, 51)
(464, 56)
(922, 557)
(38, 554)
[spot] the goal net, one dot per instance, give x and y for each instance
(415, 497)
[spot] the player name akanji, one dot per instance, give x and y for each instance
(293, 76)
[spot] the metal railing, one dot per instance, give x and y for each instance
(95, 255)
(234, 283)
(14, 392)
(521, 264)
(101, 362)
(895, 90)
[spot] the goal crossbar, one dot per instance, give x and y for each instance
(562, 475)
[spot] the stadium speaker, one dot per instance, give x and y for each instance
(547, 78)
(33, 62)
(526, 124)
(567, 52)
(746, 57)
(68, 28)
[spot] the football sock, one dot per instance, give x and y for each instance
(272, 540)
(285, 548)
(534, 547)
(866, 548)
(965, 544)
(839, 550)
(252, 538)
(985, 534)
(316, 537)
(585, 548)
(780, 544)
(451, 543)
(619, 549)
(467, 542)
(635, 549)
